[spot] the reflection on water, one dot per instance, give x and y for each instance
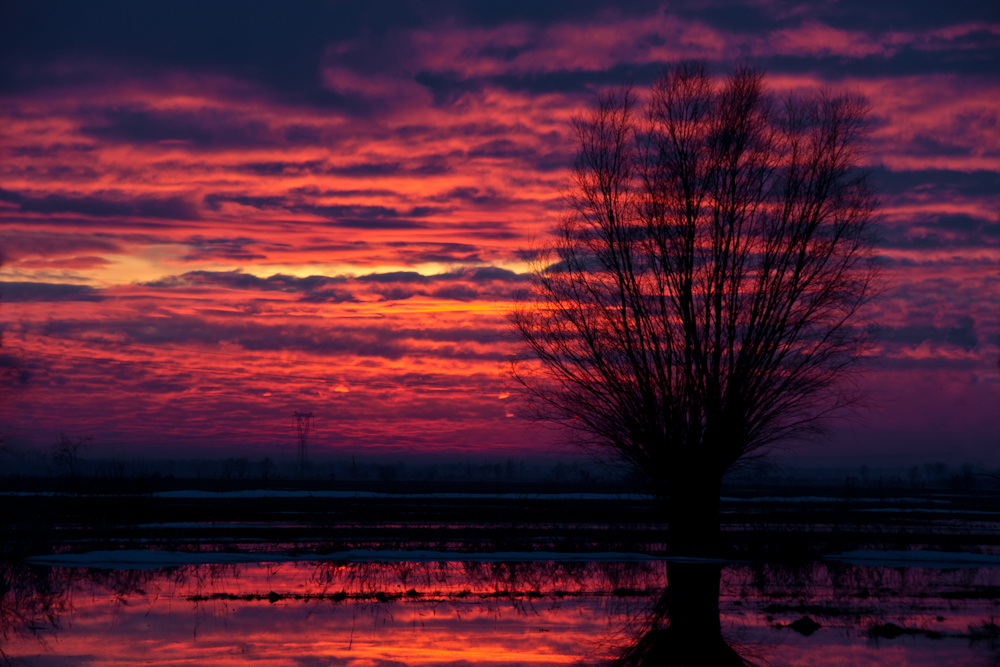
(683, 625)
(544, 613)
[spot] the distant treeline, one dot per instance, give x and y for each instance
(69, 462)
(66, 460)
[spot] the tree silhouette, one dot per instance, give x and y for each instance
(700, 301)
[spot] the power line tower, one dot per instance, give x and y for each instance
(303, 423)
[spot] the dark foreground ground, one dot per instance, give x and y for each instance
(787, 522)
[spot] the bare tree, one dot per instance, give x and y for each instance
(66, 455)
(700, 301)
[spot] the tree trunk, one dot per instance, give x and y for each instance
(692, 512)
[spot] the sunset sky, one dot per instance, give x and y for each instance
(214, 214)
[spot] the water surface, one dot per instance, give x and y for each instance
(512, 613)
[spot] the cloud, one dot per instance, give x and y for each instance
(23, 292)
(281, 168)
(202, 129)
(105, 205)
(345, 339)
(937, 182)
(404, 277)
(367, 169)
(493, 273)
(942, 231)
(923, 144)
(456, 293)
(19, 244)
(437, 253)
(961, 334)
(245, 281)
(64, 263)
(231, 249)
(467, 284)
(357, 216)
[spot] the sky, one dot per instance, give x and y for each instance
(213, 215)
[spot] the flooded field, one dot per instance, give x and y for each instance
(817, 576)
(512, 613)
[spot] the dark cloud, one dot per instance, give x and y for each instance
(923, 144)
(161, 387)
(543, 13)
(977, 183)
(973, 54)
(367, 169)
(448, 257)
(363, 211)
(329, 295)
(245, 281)
(84, 262)
(214, 201)
(308, 135)
(440, 253)
(22, 292)
(959, 223)
(906, 61)
(335, 211)
(427, 165)
(256, 336)
(942, 231)
(237, 249)
(378, 224)
(355, 216)
(313, 191)
(577, 81)
(107, 206)
(207, 128)
(966, 364)
(284, 51)
(490, 229)
(48, 150)
(476, 274)
(247, 40)
(406, 277)
(447, 89)
(283, 168)
(539, 161)
(457, 293)
(962, 334)
(20, 243)
(466, 284)
(881, 16)
(485, 197)
(493, 273)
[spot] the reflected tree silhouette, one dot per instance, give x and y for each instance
(29, 604)
(35, 598)
(682, 627)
